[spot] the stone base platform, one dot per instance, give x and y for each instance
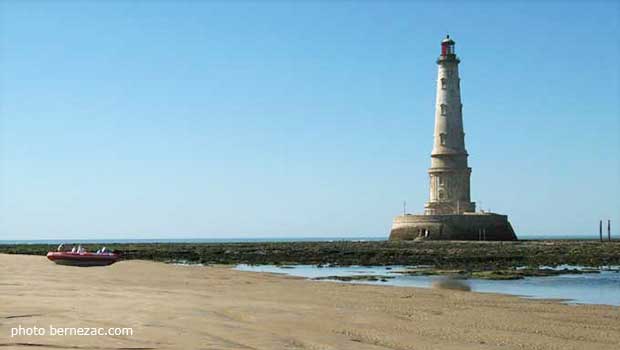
(466, 226)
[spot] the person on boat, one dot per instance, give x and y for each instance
(60, 247)
(73, 250)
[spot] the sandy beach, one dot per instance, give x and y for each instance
(194, 307)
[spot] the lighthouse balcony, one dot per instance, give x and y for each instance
(449, 207)
(448, 58)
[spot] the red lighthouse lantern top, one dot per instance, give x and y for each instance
(447, 46)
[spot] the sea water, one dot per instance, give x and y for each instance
(261, 239)
(587, 288)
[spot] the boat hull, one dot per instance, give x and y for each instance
(85, 259)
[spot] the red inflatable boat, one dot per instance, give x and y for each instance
(83, 259)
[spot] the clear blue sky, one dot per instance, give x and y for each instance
(143, 119)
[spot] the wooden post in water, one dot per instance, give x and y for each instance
(609, 230)
(600, 229)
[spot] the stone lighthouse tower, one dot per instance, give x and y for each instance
(450, 213)
(449, 173)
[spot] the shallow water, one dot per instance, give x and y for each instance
(590, 288)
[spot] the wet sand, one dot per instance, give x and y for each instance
(193, 307)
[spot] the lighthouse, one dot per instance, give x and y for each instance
(449, 173)
(449, 213)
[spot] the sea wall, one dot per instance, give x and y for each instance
(467, 227)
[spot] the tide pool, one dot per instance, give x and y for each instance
(590, 288)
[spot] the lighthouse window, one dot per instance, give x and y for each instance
(443, 83)
(444, 109)
(442, 139)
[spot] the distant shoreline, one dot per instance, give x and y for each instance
(194, 240)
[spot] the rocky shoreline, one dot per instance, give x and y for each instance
(498, 274)
(466, 255)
